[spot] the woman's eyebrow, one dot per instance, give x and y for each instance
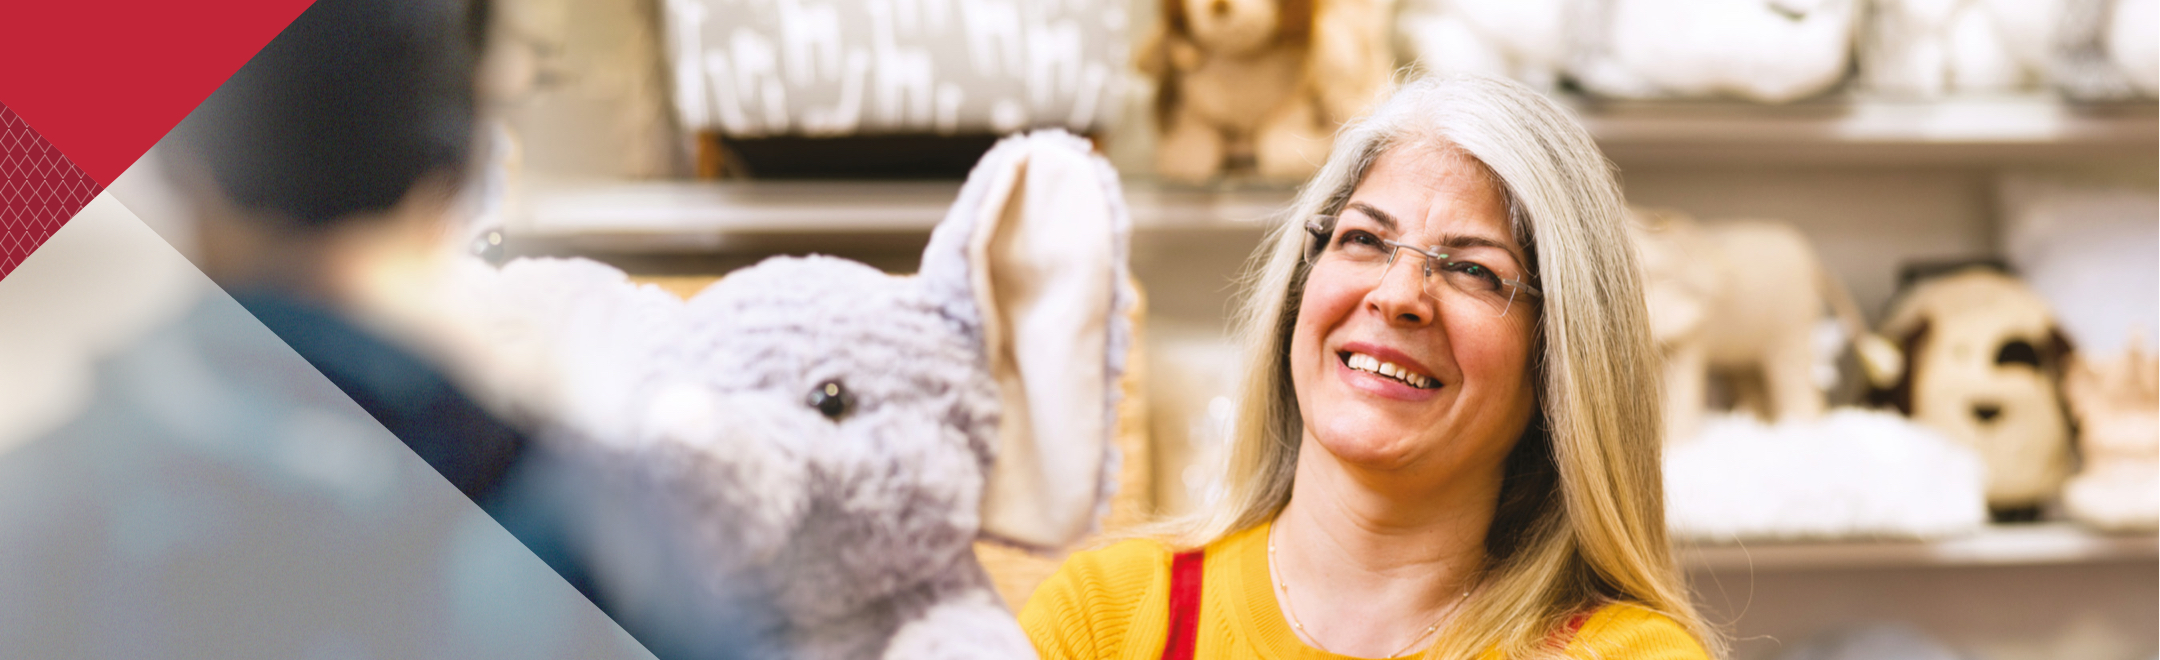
(1468, 241)
(1385, 220)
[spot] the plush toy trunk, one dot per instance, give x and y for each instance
(886, 88)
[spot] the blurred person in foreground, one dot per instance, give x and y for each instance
(220, 499)
(1447, 443)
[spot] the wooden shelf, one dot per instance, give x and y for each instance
(704, 216)
(734, 216)
(719, 216)
(1973, 131)
(1998, 545)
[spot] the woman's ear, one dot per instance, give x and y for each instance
(1046, 262)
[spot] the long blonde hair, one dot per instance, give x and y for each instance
(1581, 518)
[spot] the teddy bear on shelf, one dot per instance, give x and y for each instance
(812, 446)
(1261, 80)
(2117, 404)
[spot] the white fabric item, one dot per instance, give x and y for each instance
(1037, 258)
(1933, 48)
(824, 68)
(1852, 473)
(1521, 39)
(1770, 52)
(2132, 45)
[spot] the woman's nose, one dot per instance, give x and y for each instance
(1400, 294)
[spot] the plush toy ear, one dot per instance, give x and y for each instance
(1045, 264)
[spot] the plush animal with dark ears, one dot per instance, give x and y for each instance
(1984, 363)
(827, 441)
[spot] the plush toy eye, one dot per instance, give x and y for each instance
(831, 400)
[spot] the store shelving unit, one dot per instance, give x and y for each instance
(1875, 182)
(2008, 129)
(703, 216)
(679, 216)
(1996, 545)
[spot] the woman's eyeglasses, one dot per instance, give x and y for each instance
(1359, 253)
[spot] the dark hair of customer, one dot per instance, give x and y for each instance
(342, 117)
(346, 111)
(351, 130)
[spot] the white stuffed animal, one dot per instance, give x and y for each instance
(1521, 39)
(2107, 50)
(2117, 403)
(1743, 297)
(829, 440)
(1932, 48)
(1852, 473)
(1769, 51)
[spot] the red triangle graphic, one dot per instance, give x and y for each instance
(102, 81)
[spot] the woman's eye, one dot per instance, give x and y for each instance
(1479, 274)
(1358, 240)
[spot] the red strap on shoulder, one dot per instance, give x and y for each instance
(1184, 634)
(1565, 634)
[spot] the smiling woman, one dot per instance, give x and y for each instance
(1449, 437)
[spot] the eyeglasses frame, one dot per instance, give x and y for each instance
(1323, 232)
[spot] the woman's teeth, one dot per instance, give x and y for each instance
(1370, 364)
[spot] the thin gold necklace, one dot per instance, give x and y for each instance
(1291, 608)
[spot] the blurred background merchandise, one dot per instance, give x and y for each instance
(683, 139)
(1889, 140)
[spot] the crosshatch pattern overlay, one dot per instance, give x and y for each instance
(39, 190)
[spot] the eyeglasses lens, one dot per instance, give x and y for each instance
(1443, 278)
(1451, 280)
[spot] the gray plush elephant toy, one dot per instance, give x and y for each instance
(833, 439)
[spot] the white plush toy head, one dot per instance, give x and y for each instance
(878, 425)
(1985, 360)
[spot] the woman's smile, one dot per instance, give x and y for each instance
(1386, 373)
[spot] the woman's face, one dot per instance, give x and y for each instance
(1470, 394)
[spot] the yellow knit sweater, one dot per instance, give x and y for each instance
(1113, 603)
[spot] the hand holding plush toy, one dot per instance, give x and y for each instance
(833, 439)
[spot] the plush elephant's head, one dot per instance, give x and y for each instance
(1679, 278)
(862, 430)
